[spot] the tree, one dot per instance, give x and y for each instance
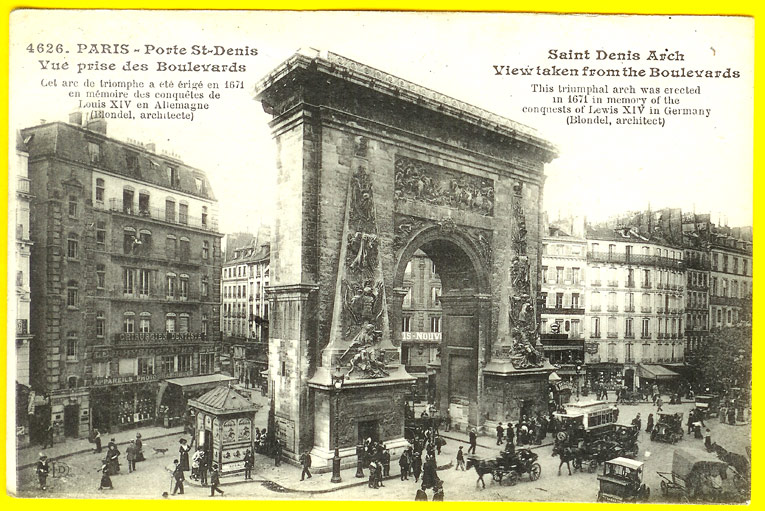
(725, 360)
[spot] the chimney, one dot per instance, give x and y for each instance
(75, 118)
(97, 125)
(151, 146)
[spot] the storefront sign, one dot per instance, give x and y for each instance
(119, 380)
(421, 336)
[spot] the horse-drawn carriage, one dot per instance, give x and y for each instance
(508, 468)
(627, 438)
(669, 428)
(416, 427)
(622, 481)
(700, 477)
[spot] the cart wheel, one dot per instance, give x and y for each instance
(512, 478)
(535, 472)
(592, 467)
(497, 476)
(664, 488)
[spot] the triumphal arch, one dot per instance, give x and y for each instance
(372, 168)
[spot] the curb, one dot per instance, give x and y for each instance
(83, 451)
(532, 447)
(276, 487)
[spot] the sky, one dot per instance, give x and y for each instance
(695, 162)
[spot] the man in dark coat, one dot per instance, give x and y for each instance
(416, 466)
(373, 475)
(305, 462)
(179, 478)
(429, 474)
(215, 481)
(130, 451)
(277, 452)
(42, 470)
(403, 463)
(473, 442)
(386, 462)
(500, 433)
(48, 439)
(249, 461)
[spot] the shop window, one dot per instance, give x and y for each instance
(184, 363)
(145, 365)
(167, 364)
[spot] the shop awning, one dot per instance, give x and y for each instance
(655, 372)
(191, 383)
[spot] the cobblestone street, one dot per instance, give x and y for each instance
(152, 477)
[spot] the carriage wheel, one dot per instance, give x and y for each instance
(512, 478)
(497, 475)
(592, 467)
(535, 472)
(664, 488)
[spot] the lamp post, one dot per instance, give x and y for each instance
(337, 383)
(578, 370)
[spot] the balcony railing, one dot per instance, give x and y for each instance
(596, 283)
(613, 335)
(174, 217)
(23, 185)
(595, 335)
(637, 259)
(630, 335)
(629, 308)
(660, 336)
(646, 285)
(613, 308)
(22, 327)
(613, 283)
(595, 308)
(629, 360)
(645, 310)
(629, 283)
(645, 336)
(613, 360)
(563, 310)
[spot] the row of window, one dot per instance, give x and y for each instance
(256, 270)
(663, 302)
(726, 316)
(139, 282)
(234, 310)
(156, 364)
(730, 289)
(730, 264)
(664, 326)
(646, 251)
(660, 352)
(662, 277)
(561, 249)
(697, 278)
(406, 323)
(173, 323)
(561, 275)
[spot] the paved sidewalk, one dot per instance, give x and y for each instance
(28, 456)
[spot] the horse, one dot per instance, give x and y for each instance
(482, 467)
(568, 454)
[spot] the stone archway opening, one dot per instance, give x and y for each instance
(440, 283)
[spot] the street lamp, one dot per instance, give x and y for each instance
(578, 370)
(337, 383)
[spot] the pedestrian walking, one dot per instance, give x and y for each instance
(403, 463)
(139, 448)
(379, 473)
(48, 438)
(305, 462)
(178, 477)
(130, 454)
(473, 441)
(215, 480)
(649, 423)
(42, 470)
(659, 404)
(429, 473)
(448, 425)
(417, 466)
(97, 440)
(106, 481)
(249, 461)
(372, 475)
(183, 454)
(460, 459)
(691, 420)
(604, 393)
(708, 441)
(500, 433)
(112, 460)
(637, 422)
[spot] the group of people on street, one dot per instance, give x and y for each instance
(201, 467)
(527, 431)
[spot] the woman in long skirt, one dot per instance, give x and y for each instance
(106, 481)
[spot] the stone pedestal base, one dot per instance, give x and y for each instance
(511, 393)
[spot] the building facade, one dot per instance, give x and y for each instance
(23, 250)
(730, 294)
(125, 276)
(244, 315)
(564, 264)
(421, 324)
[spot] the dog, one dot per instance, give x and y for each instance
(160, 451)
